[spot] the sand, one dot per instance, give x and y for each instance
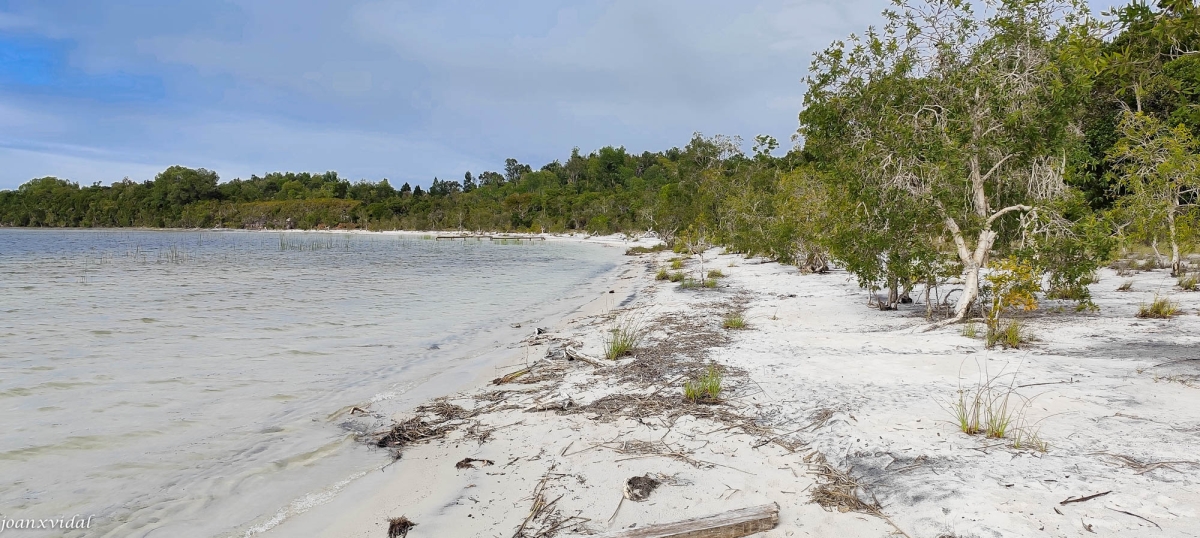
(818, 383)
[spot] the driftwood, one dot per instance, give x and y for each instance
(577, 356)
(732, 524)
(1084, 498)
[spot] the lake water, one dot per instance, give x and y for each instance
(188, 383)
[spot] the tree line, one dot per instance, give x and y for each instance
(1031, 131)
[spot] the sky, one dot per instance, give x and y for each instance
(100, 90)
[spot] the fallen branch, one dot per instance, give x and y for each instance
(732, 524)
(1085, 498)
(1137, 516)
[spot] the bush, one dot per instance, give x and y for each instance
(1160, 308)
(706, 388)
(634, 251)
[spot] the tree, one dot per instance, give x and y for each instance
(178, 186)
(1159, 170)
(962, 123)
(468, 184)
(513, 170)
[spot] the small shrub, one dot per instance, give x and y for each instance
(710, 283)
(624, 337)
(706, 388)
(1010, 336)
(676, 276)
(734, 321)
(1160, 308)
(677, 263)
(716, 273)
(970, 330)
(662, 274)
(1126, 286)
(991, 408)
(1189, 282)
(633, 251)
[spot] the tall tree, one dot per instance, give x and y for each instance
(965, 118)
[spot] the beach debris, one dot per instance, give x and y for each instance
(515, 325)
(538, 331)
(358, 410)
(731, 524)
(573, 355)
(469, 463)
(1084, 498)
(398, 527)
(544, 519)
(411, 431)
(509, 378)
(639, 488)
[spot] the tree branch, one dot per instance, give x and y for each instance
(1002, 212)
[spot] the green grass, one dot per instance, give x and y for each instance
(1160, 308)
(716, 273)
(634, 251)
(1189, 282)
(710, 283)
(1010, 336)
(706, 388)
(676, 276)
(990, 408)
(734, 321)
(662, 274)
(676, 263)
(970, 330)
(624, 337)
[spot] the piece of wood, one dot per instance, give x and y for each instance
(577, 356)
(1084, 498)
(732, 524)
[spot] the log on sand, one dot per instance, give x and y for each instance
(732, 524)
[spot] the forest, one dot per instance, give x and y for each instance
(1030, 137)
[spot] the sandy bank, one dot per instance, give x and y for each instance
(817, 385)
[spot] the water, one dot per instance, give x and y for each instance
(188, 383)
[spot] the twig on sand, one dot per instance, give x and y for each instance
(1137, 516)
(1085, 498)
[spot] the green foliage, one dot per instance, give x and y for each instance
(676, 263)
(624, 337)
(676, 276)
(1014, 284)
(704, 389)
(662, 274)
(716, 273)
(1009, 335)
(634, 251)
(1189, 282)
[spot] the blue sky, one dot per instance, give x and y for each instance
(97, 90)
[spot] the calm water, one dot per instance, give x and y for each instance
(187, 383)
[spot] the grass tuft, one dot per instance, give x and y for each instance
(676, 263)
(676, 276)
(1160, 308)
(734, 321)
(624, 337)
(662, 274)
(1189, 282)
(1010, 336)
(704, 389)
(716, 273)
(970, 330)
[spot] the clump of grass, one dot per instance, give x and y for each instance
(1160, 308)
(716, 273)
(623, 338)
(1126, 286)
(1189, 282)
(993, 409)
(689, 283)
(634, 251)
(676, 263)
(662, 274)
(970, 330)
(1010, 336)
(710, 283)
(676, 276)
(704, 389)
(734, 321)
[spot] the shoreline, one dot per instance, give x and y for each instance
(833, 411)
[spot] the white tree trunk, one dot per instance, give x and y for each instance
(1175, 258)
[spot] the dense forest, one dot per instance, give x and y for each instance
(1033, 137)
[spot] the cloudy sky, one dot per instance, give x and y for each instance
(97, 90)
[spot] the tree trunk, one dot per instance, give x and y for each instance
(1175, 258)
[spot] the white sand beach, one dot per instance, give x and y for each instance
(824, 399)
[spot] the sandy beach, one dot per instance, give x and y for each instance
(837, 412)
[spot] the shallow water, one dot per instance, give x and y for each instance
(187, 383)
